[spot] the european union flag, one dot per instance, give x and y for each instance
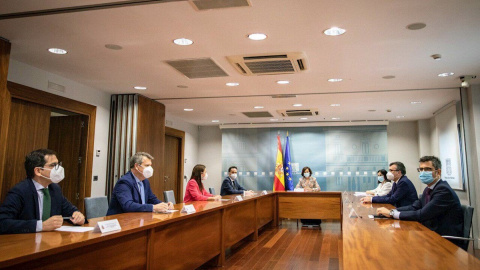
(288, 167)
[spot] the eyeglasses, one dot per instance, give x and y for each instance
(54, 165)
(427, 169)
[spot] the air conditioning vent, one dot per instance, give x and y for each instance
(296, 113)
(198, 68)
(269, 64)
(257, 114)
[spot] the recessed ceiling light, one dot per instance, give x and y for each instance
(400, 116)
(215, 121)
(182, 86)
(446, 74)
(258, 107)
(416, 102)
(57, 51)
(389, 77)
(335, 105)
(140, 87)
(283, 82)
(335, 80)
(113, 47)
(416, 26)
(188, 110)
(303, 118)
(297, 105)
(232, 84)
(334, 31)
(257, 36)
(335, 118)
(183, 41)
(273, 119)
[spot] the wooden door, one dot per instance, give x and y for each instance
(65, 138)
(27, 131)
(172, 159)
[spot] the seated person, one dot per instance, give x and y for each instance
(403, 192)
(307, 181)
(37, 204)
(438, 209)
(230, 184)
(132, 192)
(384, 185)
(195, 190)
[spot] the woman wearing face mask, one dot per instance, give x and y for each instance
(195, 190)
(384, 186)
(307, 181)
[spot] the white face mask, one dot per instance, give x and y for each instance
(56, 174)
(307, 174)
(390, 176)
(233, 176)
(205, 177)
(147, 172)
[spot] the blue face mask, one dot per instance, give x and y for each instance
(426, 177)
(380, 179)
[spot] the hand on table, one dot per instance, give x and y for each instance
(161, 207)
(384, 212)
(54, 222)
(366, 200)
(77, 218)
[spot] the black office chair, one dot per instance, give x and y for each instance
(96, 207)
(467, 226)
(169, 196)
(211, 190)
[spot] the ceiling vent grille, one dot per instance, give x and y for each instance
(257, 114)
(198, 68)
(269, 64)
(216, 4)
(296, 113)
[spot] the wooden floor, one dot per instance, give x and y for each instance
(289, 247)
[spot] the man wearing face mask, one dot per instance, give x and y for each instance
(37, 204)
(230, 184)
(439, 208)
(403, 191)
(132, 191)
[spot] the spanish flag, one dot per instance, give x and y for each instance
(278, 181)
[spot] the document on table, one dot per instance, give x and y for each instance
(224, 200)
(358, 194)
(74, 229)
(167, 211)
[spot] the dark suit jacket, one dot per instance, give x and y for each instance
(126, 196)
(403, 193)
(19, 212)
(229, 187)
(443, 214)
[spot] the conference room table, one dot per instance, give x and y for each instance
(187, 241)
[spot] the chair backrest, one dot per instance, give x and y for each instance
(467, 220)
(211, 190)
(169, 196)
(96, 207)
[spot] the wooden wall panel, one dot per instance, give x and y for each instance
(151, 138)
(5, 102)
(28, 130)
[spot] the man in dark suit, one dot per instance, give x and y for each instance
(132, 192)
(230, 184)
(403, 192)
(37, 204)
(439, 208)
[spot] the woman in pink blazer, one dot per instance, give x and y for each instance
(195, 190)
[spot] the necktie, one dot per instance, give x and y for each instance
(427, 195)
(142, 192)
(47, 204)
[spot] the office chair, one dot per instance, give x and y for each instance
(96, 207)
(211, 190)
(467, 226)
(169, 196)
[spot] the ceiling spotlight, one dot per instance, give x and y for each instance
(183, 41)
(232, 84)
(388, 77)
(466, 80)
(297, 105)
(334, 31)
(257, 36)
(140, 87)
(283, 82)
(273, 119)
(446, 74)
(335, 105)
(215, 121)
(335, 118)
(57, 51)
(415, 102)
(335, 80)
(400, 116)
(188, 110)
(304, 118)
(258, 107)
(436, 56)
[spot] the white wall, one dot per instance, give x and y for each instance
(36, 78)
(403, 146)
(210, 155)
(191, 144)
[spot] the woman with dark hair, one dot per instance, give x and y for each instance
(384, 186)
(195, 190)
(307, 181)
